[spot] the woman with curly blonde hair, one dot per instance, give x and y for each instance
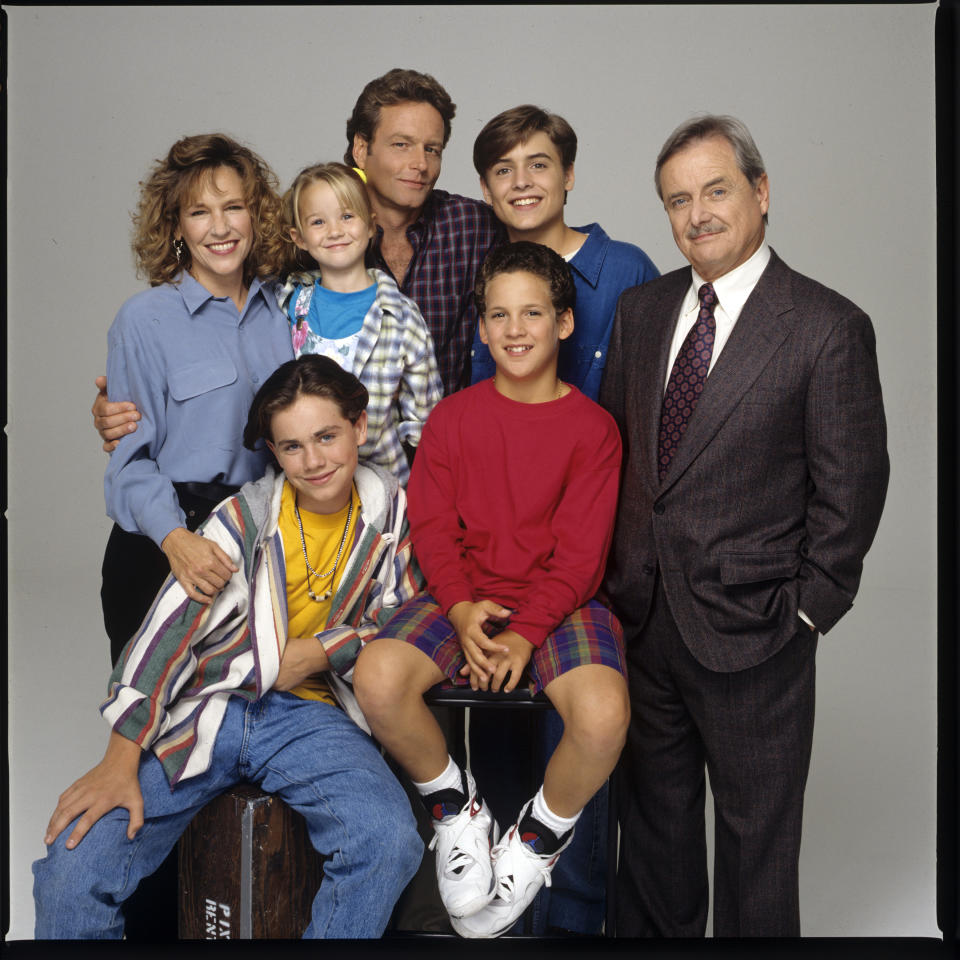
(191, 353)
(171, 185)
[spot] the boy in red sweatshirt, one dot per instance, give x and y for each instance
(511, 505)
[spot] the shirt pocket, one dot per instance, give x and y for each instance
(205, 409)
(202, 376)
(591, 354)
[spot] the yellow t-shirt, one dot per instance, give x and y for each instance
(322, 534)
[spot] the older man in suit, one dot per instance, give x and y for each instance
(755, 474)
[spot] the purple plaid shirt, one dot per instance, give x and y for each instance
(450, 239)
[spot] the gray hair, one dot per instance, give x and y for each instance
(708, 125)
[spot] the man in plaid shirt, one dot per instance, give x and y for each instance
(431, 242)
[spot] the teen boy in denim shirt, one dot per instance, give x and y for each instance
(525, 157)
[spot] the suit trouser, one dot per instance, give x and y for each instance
(753, 731)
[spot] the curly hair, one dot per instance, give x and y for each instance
(281, 254)
(396, 86)
(309, 375)
(527, 257)
(175, 180)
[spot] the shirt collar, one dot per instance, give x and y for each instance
(195, 294)
(733, 288)
(588, 260)
(418, 229)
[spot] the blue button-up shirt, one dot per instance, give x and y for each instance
(192, 364)
(602, 270)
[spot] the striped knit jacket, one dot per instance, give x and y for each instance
(170, 688)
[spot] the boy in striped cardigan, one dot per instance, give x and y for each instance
(255, 686)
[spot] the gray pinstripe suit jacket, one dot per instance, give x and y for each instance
(775, 493)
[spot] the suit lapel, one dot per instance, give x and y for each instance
(763, 325)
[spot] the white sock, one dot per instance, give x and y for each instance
(450, 779)
(559, 825)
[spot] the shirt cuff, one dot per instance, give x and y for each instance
(449, 596)
(806, 620)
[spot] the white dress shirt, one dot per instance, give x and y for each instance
(732, 290)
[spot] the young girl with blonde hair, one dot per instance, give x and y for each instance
(338, 307)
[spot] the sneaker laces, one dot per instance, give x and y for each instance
(543, 863)
(459, 859)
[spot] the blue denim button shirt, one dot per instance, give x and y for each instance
(602, 270)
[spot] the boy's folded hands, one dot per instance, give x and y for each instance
(471, 620)
(508, 667)
(492, 661)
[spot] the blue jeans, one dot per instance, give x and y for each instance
(310, 754)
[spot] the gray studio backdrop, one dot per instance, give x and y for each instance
(840, 101)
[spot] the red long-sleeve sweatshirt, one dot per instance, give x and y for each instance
(515, 502)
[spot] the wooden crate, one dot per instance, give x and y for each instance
(247, 870)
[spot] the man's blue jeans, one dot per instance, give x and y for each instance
(310, 754)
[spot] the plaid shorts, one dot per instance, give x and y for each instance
(591, 634)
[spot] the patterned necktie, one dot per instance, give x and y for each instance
(687, 378)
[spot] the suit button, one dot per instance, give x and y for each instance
(648, 569)
(659, 509)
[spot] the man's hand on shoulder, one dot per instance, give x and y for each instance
(112, 419)
(468, 619)
(113, 782)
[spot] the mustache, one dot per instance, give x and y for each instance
(695, 232)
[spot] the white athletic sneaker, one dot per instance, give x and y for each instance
(462, 842)
(519, 875)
